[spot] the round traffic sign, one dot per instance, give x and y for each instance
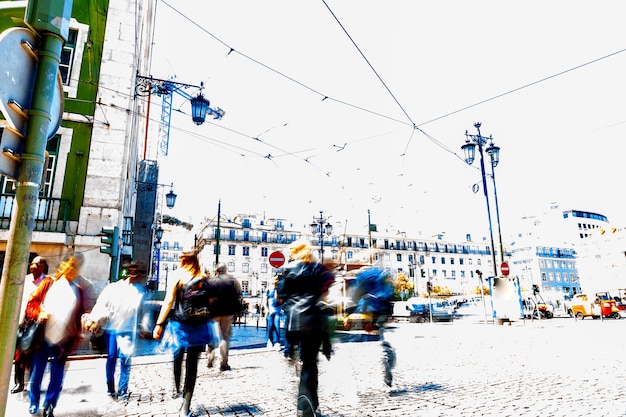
(504, 267)
(277, 259)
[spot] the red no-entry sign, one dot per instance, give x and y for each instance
(505, 269)
(277, 259)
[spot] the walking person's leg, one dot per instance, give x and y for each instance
(111, 361)
(226, 328)
(40, 361)
(191, 373)
(178, 370)
(308, 401)
(125, 352)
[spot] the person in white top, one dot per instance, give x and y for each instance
(118, 313)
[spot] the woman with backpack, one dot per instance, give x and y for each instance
(185, 310)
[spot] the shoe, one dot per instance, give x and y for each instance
(47, 411)
(17, 388)
(122, 396)
(176, 393)
(224, 368)
(33, 409)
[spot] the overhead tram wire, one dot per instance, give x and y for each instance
(593, 61)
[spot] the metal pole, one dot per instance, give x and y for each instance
(27, 195)
(217, 238)
(484, 177)
(369, 231)
(321, 223)
(495, 196)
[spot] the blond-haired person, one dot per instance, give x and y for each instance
(62, 308)
(304, 284)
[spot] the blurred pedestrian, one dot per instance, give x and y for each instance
(227, 291)
(29, 312)
(186, 310)
(373, 293)
(62, 308)
(274, 314)
(302, 289)
(119, 314)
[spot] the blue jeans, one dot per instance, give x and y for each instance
(114, 341)
(273, 327)
(57, 372)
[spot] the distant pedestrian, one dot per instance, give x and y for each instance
(30, 312)
(62, 308)
(303, 287)
(119, 314)
(373, 293)
(274, 314)
(186, 310)
(228, 301)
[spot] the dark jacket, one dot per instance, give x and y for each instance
(301, 288)
(226, 291)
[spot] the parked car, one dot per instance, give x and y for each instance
(420, 309)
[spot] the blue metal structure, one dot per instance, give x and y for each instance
(146, 86)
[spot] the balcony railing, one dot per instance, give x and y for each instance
(51, 214)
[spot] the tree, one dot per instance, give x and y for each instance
(402, 284)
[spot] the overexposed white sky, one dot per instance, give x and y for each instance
(546, 79)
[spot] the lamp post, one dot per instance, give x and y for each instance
(157, 229)
(469, 149)
(321, 226)
(494, 155)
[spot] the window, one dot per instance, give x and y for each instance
(231, 266)
(451, 261)
(433, 259)
(399, 257)
(67, 57)
(231, 250)
(246, 251)
(461, 261)
(263, 268)
(245, 267)
(443, 260)
(263, 251)
(350, 254)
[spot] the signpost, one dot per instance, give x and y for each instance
(277, 259)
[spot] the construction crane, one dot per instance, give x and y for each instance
(200, 106)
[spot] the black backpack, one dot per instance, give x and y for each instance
(192, 302)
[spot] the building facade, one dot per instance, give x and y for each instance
(92, 168)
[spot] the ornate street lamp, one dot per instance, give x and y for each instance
(199, 108)
(170, 198)
(469, 149)
(321, 226)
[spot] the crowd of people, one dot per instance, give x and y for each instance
(197, 314)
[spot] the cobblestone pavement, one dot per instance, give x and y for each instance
(559, 367)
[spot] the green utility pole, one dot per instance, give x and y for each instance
(50, 21)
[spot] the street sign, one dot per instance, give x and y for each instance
(277, 259)
(504, 267)
(18, 69)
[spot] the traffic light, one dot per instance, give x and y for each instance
(110, 240)
(429, 286)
